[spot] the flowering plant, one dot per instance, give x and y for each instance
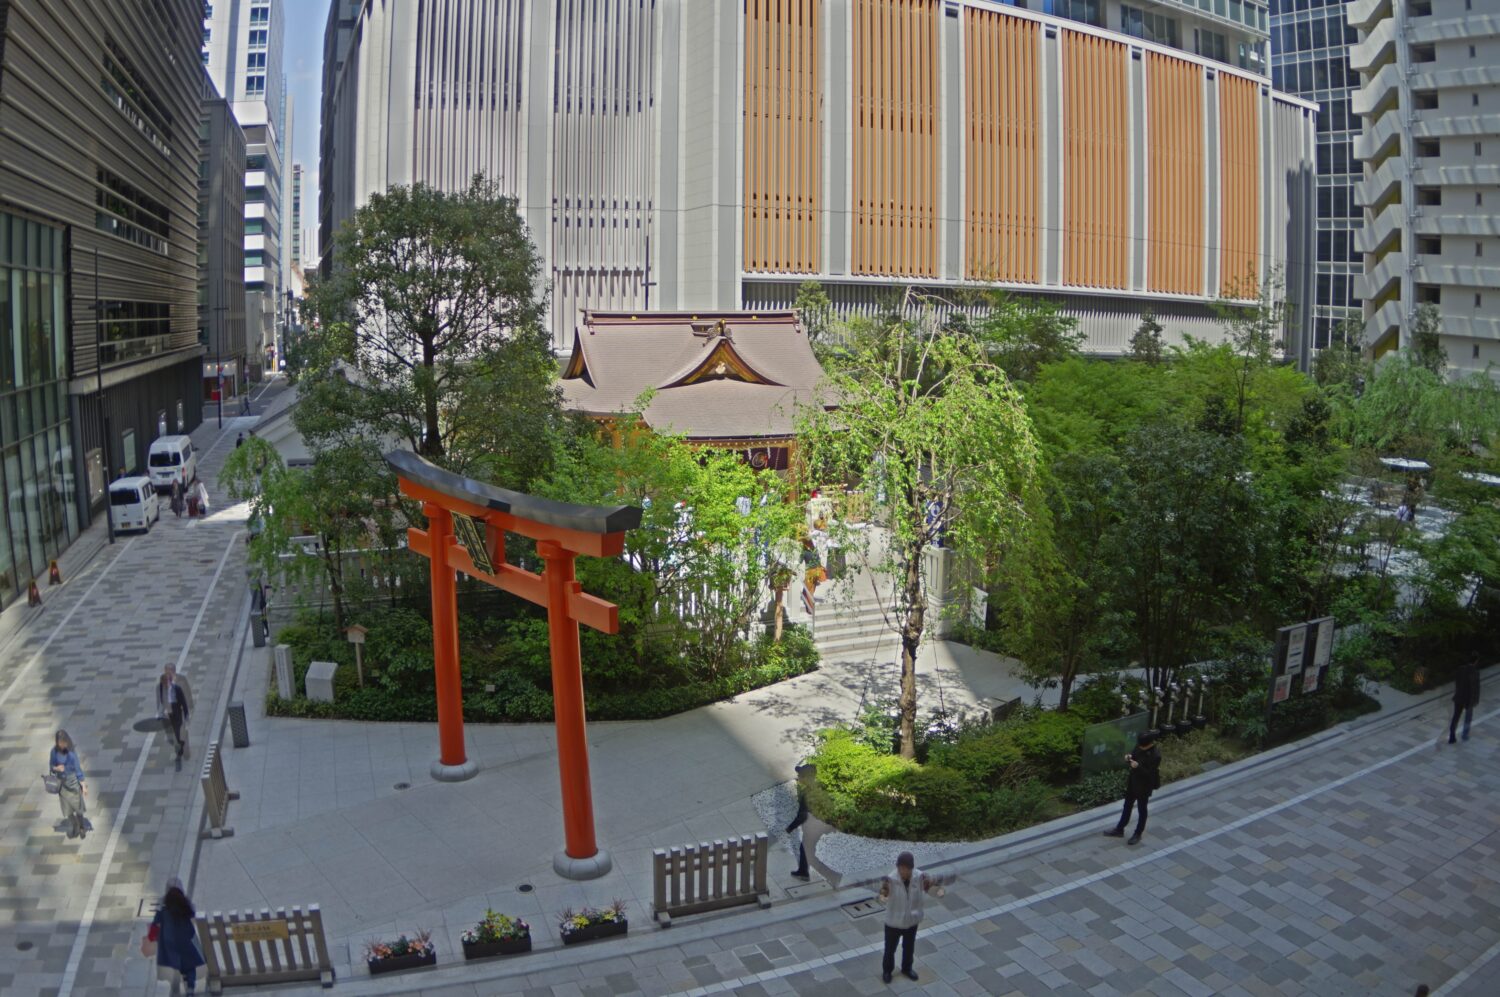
(570, 921)
(497, 928)
(418, 943)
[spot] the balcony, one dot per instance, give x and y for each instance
(1435, 270)
(1472, 225)
(1431, 173)
(1450, 79)
(1376, 46)
(1469, 27)
(1372, 143)
(1373, 190)
(1363, 13)
(1384, 84)
(1384, 321)
(1435, 124)
(1380, 277)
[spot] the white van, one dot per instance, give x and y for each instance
(133, 504)
(172, 458)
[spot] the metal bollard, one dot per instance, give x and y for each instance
(237, 727)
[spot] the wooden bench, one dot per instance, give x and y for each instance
(708, 876)
(250, 949)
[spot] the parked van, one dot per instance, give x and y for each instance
(172, 458)
(133, 504)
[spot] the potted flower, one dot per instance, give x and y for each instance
(593, 922)
(497, 934)
(406, 952)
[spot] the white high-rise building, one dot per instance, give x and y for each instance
(242, 46)
(1430, 98)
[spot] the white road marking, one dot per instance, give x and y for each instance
(1462, 975)
(1024, 902)
(86, 923)
(67, 617)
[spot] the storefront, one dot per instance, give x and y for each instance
(37, 469)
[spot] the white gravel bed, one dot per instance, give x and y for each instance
(776, 807)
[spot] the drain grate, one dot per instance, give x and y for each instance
(525, 888)
(403, 785)
(862, 908)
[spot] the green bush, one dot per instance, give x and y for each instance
(1053, 742)
(1001, 811)
(1185, 756)
(1097, 789)
(847, 768)
(989, 759)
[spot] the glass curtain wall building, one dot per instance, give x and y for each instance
(1310, 58)
(40, 515)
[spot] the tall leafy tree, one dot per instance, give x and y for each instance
(1146, 342)
(956, 460)
(430, 283)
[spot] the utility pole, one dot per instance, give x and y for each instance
(99, 390)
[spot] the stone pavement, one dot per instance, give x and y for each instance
(1362, 861)
(70, 911)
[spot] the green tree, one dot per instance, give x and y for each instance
(956, 456)
(1256, 334)
(815, 310)
(1146, 343)
(430, 282)
(1427, 339)
(1023, 335)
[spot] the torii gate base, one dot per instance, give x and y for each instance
(467, 522)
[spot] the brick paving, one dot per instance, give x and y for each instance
(86, 662)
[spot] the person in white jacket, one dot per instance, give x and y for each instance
(902, 893)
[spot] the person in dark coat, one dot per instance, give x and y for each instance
(1144, 778)
(804, 772)
(175, 937)
(177, 498)
(1465, 697)
(174, 703)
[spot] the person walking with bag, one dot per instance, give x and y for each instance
(174, 702)
(63, 767)
(172, 938)
(804, 773)
(1144, 779)
(1465, 697)
(177, 498)
(902, 894)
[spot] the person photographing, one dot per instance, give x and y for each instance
(1143, 780)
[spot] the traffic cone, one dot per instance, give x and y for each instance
(54, 573)
(33, 594)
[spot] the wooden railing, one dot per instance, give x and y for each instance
(250, 949)
(703, 877)
(216, 794)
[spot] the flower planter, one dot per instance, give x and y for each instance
(506, 946)
(397, 963)
(603, 929)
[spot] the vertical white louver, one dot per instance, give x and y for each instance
(604, 162)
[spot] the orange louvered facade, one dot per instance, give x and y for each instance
(1096, 167)
(1174, 166)
(1001, 196)
(783, 136)
(895, 147)
(1239, 184)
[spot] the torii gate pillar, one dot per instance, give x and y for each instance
(467, 522)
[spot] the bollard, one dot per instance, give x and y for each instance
(237, 726)
(54, 573)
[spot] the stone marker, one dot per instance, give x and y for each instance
(284, 687)
(320, 681)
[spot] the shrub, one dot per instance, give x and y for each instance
(1097, 789)
(1004, 810)
(1185, 756)
(940, 800)
(990, 759)
(847, 768)
(1052, 742)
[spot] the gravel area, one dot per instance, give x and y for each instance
(776, 807)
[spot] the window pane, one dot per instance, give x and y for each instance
(15, 507)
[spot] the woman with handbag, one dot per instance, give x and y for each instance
(64, 771)
(172, 938)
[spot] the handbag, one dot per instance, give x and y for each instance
(52, 782)
(148, 947)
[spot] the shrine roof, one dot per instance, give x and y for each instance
(710, 374)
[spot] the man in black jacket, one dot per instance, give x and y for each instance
(1465, 697)
(804, 774)
(1145, 776)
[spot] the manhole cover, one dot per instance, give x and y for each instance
(403, 785)
(863, 908)
(24, 946)
(525, 887)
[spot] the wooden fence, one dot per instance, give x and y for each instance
(216, 794)
(250, 949)
(703, 877)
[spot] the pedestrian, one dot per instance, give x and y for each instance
(174, 702)
(1422, 990)
(902, 894)
(812, 575)
(245, 404)
(172, 937)
(177, 498)
(239, 441)
(63, 763)
(1465, 697)
(804, 776)
(201, 493)
(1144, 778)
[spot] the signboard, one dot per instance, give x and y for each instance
(1299, 664)
(257, 931)
(1323, 643)
(471, 533)
(1105, 745)
(1281, 689)
(1296, 646)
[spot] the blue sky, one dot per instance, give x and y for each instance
(302, 62)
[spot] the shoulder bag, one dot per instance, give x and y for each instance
(53, 782)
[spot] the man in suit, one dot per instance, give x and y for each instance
(1144, 778)
(1465, 697)
(174, 703)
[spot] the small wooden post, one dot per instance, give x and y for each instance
(356, 635)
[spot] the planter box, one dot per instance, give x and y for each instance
(593, 931)
(400, 962)
(486, 950)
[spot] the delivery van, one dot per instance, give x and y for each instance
(133, 504)
(172, 458)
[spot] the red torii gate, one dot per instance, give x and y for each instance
(467, 522)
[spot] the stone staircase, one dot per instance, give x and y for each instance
(852, 631)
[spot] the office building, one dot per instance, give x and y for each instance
(297, 216)
(715, 154)
(242, 46)
(1310, 58)
(1430, 98)
(221, 249)
(98, 258)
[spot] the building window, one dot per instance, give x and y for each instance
(1478, 198)
(256, 60)
(255, 85)
(1152, 27)
(1478, 249)
(134, 99)
(1476, 351)
(1086, 11)
(1478, 300)
(206, 34)
(254, 258)
(258, 38)
(1212, 45)
(1471, 51)
(260, 15)
(124, 210)
(1474, 99)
